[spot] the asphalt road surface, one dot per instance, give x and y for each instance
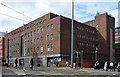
(70, 71)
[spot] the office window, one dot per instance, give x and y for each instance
(40, 22)
(51, 26)
(31, 50)
(93, 38)
(51, 36)
(31, 33)
(48, 27)
(48, 48)
(34, 49)
(28, 35)
(31, 41)
(97, 38)
(37, 39)
(44, 20)
(37, 49)
(36, 24)
(25, 43)
(25, 52)
(34, 31)
(28, 50)
(51, 47)
(38, 31)
(41, 30)
(41, 39)
(28, 27)
(47, 37)
(34, 40)
(41, 48)
(33, 24)
(28, 42)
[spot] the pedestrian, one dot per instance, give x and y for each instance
(16, 62)
(57, 64)
(118, 66)
(67, 63)
(96, 65)
(31, 63)
(105, 66)
(111, 66)
(115, 65)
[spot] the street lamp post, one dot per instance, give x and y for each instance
(8, 53)
(72, 34)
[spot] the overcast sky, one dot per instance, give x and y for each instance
(37, 8)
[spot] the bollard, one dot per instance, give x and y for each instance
(73, 65)
(24, 68)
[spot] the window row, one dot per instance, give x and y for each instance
(34, 41)
(14, 39)
(34, 50)
(86, 29)
(28, 27)
(15, 52)
(14, 46)
(32, 33)
(50, 27)
(87, 37)
(85, 44)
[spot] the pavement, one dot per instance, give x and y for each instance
(12, 71)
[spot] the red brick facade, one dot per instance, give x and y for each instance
(49, 37)
(103, 23)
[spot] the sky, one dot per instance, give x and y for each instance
(11, 15)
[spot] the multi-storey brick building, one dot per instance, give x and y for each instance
(48, 38)
(117, 44)
(105, 24)
(2, 44)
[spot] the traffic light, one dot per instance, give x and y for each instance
(78, 54)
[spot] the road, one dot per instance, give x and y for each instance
(69, 71)
(57, 71)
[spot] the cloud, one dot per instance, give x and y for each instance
(38, 8)
(61, 0)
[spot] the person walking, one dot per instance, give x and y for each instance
(105, 66)
(115, 65)
(111, 66)
(66, 63)
(31, 63)
(96, 65)
(16, 62)
(118, 66)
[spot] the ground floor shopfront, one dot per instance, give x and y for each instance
(50, 60)
(43, 60)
